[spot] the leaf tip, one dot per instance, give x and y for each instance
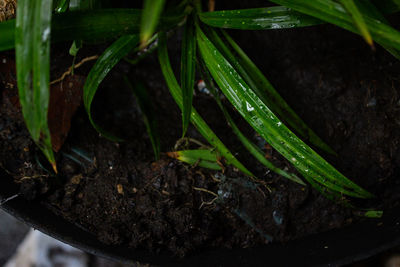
(53, 164)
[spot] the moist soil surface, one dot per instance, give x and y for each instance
(348, 93)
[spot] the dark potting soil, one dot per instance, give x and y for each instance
(347, 93)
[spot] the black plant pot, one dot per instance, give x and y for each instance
(333, 248)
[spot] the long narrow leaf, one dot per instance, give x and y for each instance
(149, 117)
(188, 60)
(358, 19)
(280, 17)
(195, 118)
(332, 12)
(201, 157)
(33, 69)
(104, 64)
(264, 121)
(151, 14)
(251, 147)
(263, 88)
(92, 25)
(369, 9)
(277, 17)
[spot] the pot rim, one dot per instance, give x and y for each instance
(332, 248)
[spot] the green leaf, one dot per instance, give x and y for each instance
(332, 12)
(188, 67)
(7, 33)
(276, 17)
(251, 147)
(373, 214)
(104, 64)
(200, 157)
(280, 17)
(83, 4)
(92, 25)
(139, 54)
(32, 43)
(74, 49)
(149, 117)
(262, 87)
(61, 6)
(264, 121)
(195, 118)
(358, 19)
(151, 15)
(369, 9)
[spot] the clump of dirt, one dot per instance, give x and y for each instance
(347, 93)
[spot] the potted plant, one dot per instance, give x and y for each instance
(166, 205)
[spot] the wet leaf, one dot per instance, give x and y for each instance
(333, 12)
(195, 118)
(280, 17)
(251, 147)
(104, 64)
(277, 17)
(97, 25)
(32, 52)
(149, 116)
(263, 88)
(264, 121)
(188, 67)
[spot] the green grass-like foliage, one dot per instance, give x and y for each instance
(250, 146)
(32, 52)
(264, 121)
(224, 66)
(195, 117)
(358, 19)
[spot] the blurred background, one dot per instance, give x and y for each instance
(21, 246)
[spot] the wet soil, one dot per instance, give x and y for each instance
(347, 93)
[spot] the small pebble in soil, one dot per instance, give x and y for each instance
(371, 102)
(224, 194)
(278, 218)
(120, 189)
